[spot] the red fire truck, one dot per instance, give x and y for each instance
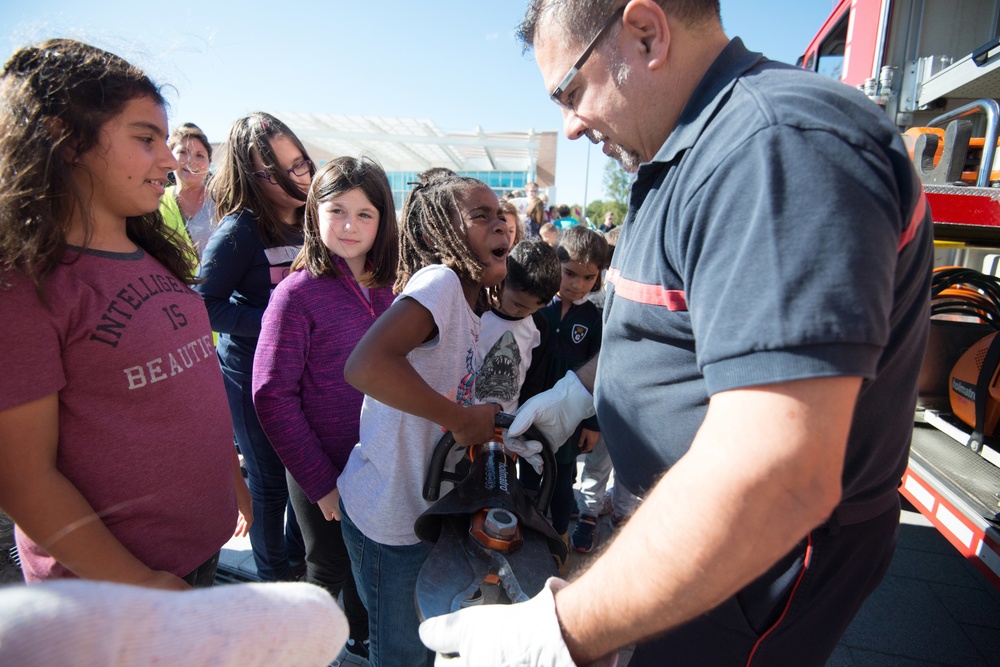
(934, 67)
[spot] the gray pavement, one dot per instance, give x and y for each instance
(932, 608)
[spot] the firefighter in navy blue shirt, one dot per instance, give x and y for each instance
(764, 327)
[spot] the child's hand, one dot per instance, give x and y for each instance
(242, 525)
(588, 439)
(477, 424)
(245, 506)
(330, 505)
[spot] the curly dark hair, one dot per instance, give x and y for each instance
(54, 99)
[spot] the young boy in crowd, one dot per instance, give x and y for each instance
(595, 496)
(512, 329)
(549, 233)
(574, 325)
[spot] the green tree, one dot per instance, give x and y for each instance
(596, 210)
(617, 183)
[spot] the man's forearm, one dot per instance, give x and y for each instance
(588, 372)
(676, 558)
(679, 557)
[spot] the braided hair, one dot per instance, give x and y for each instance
(431, 230)
(54, 99)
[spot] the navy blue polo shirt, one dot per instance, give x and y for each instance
(779, 234)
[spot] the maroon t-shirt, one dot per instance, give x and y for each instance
(144, 427)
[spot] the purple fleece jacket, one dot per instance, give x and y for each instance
(309, 413)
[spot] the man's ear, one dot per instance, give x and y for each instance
(647, 24)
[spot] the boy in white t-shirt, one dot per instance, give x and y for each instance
(509, 331)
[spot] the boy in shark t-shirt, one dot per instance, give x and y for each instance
(512, 329)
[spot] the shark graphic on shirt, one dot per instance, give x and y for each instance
(498, 376)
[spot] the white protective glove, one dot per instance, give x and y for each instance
(502, 635)
(527, 450)
(556, 412)
(100, 624)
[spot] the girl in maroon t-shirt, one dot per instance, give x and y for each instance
(107, 466)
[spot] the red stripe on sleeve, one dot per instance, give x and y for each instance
(918, 215)
(651, 295)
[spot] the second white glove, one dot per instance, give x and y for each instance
(556, 412)
(501, 635)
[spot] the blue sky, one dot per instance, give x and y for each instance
(455, 62)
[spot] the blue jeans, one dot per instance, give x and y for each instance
(387, 583)
(266, 479)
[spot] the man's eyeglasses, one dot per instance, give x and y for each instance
(557, 94)
(298, 169)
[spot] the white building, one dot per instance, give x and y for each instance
(407, 146)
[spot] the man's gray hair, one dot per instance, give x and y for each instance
(581, 19)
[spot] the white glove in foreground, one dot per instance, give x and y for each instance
(527, 450)
(91, 624)
(507, 635)
(556, 412)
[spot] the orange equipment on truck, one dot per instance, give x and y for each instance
(934, 67)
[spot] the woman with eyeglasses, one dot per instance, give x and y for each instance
(259, 191)
(186, 205)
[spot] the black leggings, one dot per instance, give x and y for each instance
(203, 576)
(327, 561)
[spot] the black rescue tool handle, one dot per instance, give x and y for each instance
(436, 472)
(986, 374)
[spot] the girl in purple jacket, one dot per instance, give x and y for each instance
(340, 283)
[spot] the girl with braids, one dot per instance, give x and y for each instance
(107, 466)
(341, 282)
(417, 367)
(260, 193)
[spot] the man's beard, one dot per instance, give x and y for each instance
(628, 159)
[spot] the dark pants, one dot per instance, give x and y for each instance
(796, 612)
(327, 562)
(268, 490)
(203, 576)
